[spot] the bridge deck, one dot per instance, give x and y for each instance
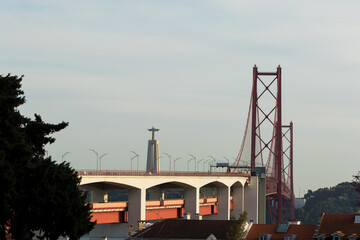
(85, 172)
(139, 182)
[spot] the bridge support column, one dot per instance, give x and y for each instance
(255, 200)
(191, 198)
(238, 201)
(251, 199)
(223, 203)
(136, 206)
(156, 194)
(99, 195)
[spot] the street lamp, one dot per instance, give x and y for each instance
(204, 164)
(198, 164)
(209, 165)
(62, 156)
(169, 156)
(97, 158)
(101, 158)
(188, 163)
(175, 161)
(213, 160)
(228, 160)
(193, 157)
(137, 157)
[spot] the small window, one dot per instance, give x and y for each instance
(264, 236)
(211, 237)
(337, 235)
(289, 237)
(282, 227)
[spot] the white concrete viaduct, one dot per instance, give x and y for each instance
(248, 192)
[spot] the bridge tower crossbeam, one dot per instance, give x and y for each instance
(267, 150)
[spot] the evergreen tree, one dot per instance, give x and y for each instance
(237, 228)
(340, 199)
(356, 184)
(36, 194)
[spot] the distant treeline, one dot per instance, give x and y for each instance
(340, 199)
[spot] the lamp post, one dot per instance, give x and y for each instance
(62, 156)
(213, 159)
(97, 158)
(101, 158)
(234, 160)
(198, 164)
(169, 156)
(188, 163)
(193, 157)
(204, 164)
(175, 161)
(137, 157)
(228, 160)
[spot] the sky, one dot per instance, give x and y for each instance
(113, 69)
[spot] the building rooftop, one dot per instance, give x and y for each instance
(186, 229)
(338, 223)
(301, 231)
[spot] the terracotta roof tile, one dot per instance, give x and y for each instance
(340, 233)
(344, 223)
(301, 231)
(190, 229)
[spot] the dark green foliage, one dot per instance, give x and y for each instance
(36, 193)
(356, 184)
(340, 199)
(237, 228)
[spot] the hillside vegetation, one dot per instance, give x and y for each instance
(340, 199)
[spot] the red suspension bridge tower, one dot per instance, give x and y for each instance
(272, 147)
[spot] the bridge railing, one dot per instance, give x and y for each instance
(87, 172)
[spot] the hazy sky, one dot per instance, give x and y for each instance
(113, 69)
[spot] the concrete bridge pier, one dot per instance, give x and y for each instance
(238, 200)
(98, 194)
(255, 201)
(101, 196)
(191, 201)
(223, 203)
(155, 193)
(136, 206)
